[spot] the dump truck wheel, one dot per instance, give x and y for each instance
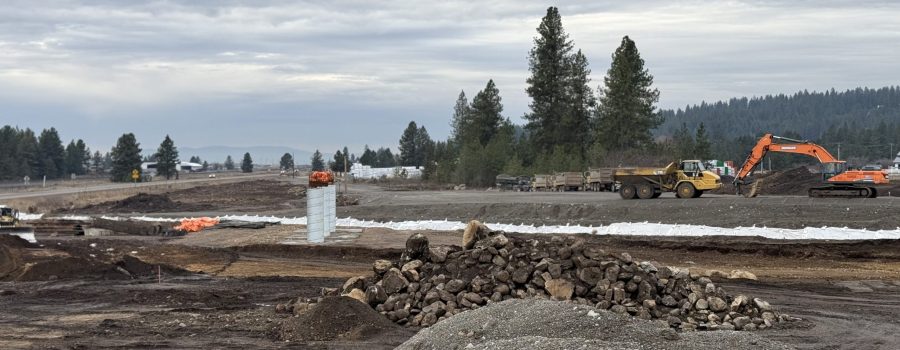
(685, 190)
(645, 191)
(627, 192)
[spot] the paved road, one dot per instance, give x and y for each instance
(115, 186)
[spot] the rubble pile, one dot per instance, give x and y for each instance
(430, 284)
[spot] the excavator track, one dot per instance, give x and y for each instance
(843, 191)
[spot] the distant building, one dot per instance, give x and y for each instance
(897, 161)
(184, 167)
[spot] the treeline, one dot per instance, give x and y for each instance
(570, 126)
(862, 124)
(24, 154)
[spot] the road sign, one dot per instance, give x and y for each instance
(135, 174)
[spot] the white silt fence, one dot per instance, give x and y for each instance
(332, 208)
(315, 215)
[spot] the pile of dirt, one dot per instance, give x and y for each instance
(245, 195)
(19, 262)
(336, 318)
(139, 203)
(430, 284)
(544, 324)
(796, 181)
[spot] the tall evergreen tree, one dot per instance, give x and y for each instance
(460, 119)
(486, 116)
(229, 163)
(287, 162)
(424, 146)
(97, 163)
(167, 158)
(577, 121)
(126, 156)
(247, 163)
(349, 158)
(318, 163)
(702, 147)
(74, 159)
(52, 154)
(29, 155)
(408, 153)
(384, 158)
(549, 64)
(627, 113)
(684, 146)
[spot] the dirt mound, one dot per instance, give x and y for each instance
(796, 181)
(336, 318)
(11, 241)
(140, 203)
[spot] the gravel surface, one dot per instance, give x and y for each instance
(544, 324)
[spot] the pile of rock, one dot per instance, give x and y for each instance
(433, 283)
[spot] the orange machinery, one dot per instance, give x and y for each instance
(840, 182)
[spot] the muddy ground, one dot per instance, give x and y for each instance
(218, 288)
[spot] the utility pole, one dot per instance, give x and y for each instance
(839, 151)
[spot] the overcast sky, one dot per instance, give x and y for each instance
(322, 74)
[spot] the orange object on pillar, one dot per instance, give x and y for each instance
(320, 178)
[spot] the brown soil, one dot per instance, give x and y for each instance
(236, 196)
(338, 318)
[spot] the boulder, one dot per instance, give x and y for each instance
(358, 282)
(412, 265)
(716, 304)
(559, 289)
(357, 294)
(416, 248)
(740, 322)
(381, 266)
(394, 281)
(590, 275)
(375, 294)
(438, 254)
(741, 274)
(455, 286)
(762, 304)
(474, 232)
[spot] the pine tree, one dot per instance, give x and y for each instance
(195, 159)
(702, 148)
(337, 163)
(287, 162)
(318, 163)
(349, 158)
(627, 113)
(384, 158)
(74, 159)
(684, 146)
(204, 166)
(460, 121)
(577, 121)
(167, 158)
(229, 163)
(29, 155)
(486, 112)
(408, 145)
(247, 163)
(126, 157)
(548, 62)
(52, 154)
(368, 157)
(424, 147)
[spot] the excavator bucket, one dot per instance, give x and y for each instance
(754, 189)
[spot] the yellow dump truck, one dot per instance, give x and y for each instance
(688, 179)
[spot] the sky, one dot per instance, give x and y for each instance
(324, 74)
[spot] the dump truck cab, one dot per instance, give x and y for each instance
(695, 172)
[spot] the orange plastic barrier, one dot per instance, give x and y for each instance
(320, 178)
(196, 224)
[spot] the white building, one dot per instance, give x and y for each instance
(359, 171)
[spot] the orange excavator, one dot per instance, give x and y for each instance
(839, 181)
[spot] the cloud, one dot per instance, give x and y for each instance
(271, 72)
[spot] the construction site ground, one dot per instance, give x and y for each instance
(218, 288)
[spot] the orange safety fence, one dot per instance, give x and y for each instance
(197, 224)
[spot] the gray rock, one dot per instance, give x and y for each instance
(455, 286)
(701, 304)
(590, 275)
(762, 304)
(416, 248)
(381, 266)
(375, 294)
(559, 289)
(740, 322)
(502, 276)
(412, 265)
(716, 304)
(394, 281)
(358, 282)
(619, 309)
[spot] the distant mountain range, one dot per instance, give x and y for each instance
(259, 154)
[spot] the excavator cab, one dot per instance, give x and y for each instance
(832, 169)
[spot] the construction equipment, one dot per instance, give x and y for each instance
(506, 182)
(568, 181)
(541, 182)
(11, 224)
(840, 181)
(688, 179)
(599, 179)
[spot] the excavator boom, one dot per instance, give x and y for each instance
(842, 182)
